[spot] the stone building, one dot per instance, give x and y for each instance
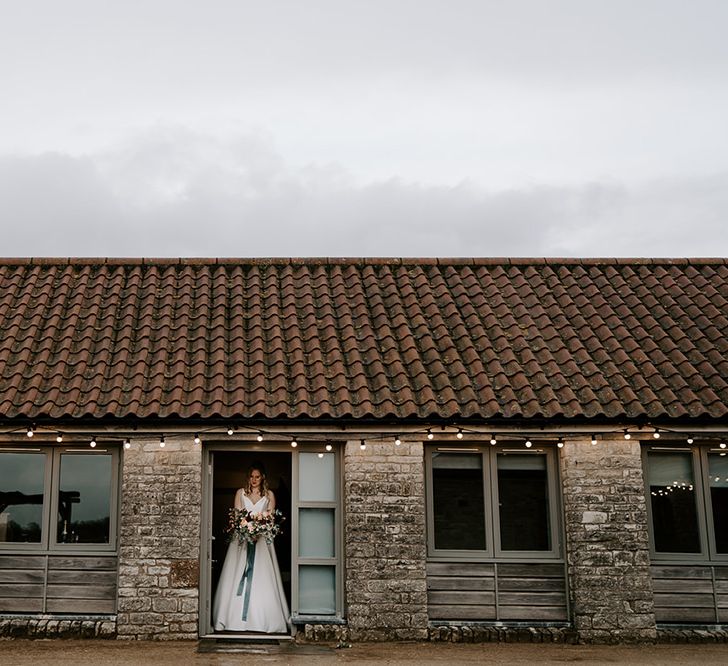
(476, 449)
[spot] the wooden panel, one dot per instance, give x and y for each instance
(537, 613)
(64, 577)
(84, 563)
(685, 615)
(531, 570)
(723, 615)
(461, 598)
(29, 576)
(80, 606)
(721, 573)
(684, 600)
(20, 590)
(721, 600)
(673, 585)
(681, 572)
(531, 599)
(453, 583)
(459, 569)
(19, 605)
(22, 561)
(462, 612)
(721, 586)
(82, 591)
(531, 584)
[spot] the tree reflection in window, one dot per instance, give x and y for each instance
(21, 497)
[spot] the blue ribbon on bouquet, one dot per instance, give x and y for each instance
(246, 580)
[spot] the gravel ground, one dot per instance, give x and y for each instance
(18, 652)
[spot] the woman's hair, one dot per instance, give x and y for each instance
(263, 482)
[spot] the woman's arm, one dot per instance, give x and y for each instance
(239, 499)
(271, 501)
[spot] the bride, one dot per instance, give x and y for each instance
(242, 602)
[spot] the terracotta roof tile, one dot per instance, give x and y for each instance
(359, 338)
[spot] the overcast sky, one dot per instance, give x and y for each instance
(364, 127)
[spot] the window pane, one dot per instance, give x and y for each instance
(84, 499)
(718, 470)
(523, 495)
(21, 497)
(457, 497)
(316, 590)
(672, 494)
(316, 533)
(316, 477)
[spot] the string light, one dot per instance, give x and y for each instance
(92, 443)
(529, 444)
(329, 446)
(722, 445)
(362, 445)
(460, 433)
(626, 434)
(259, 436)
(294, 443)
(30, 431)
(594, 440)
(127, 443)
(230, 430)
(59, 437)
(493, 440)
(197, 439)
(429, 434)
(560, 443)
(397, 440)
(162, 443)
(320, 455)
(690, 439)
(656, 434)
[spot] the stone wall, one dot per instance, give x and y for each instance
(159, 540)
(386, 587)
(607, 542)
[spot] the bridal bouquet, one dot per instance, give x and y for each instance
(248, 527)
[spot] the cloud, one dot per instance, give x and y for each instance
(175, 192)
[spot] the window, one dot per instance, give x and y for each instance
(488, 501)
(687, 501)
(58, 499)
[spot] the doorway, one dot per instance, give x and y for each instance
(229, 473)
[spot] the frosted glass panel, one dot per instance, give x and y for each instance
(316, 477)
(316, 590)
(316, 533)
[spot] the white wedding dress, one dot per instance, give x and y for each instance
(245, 603)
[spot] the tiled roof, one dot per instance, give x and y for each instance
(371, 338)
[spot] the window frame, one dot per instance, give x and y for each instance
(51, 484)
(489, 456)
(704, 508)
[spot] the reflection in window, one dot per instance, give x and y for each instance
(317, 590)
(672, 495)
(457, 494)
(718, 472)
(523, 495)
(21, 497)
(84, 499)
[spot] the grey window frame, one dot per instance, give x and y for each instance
(704, 509)
(489, 455)
(48, 543)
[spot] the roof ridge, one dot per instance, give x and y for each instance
(359, 261)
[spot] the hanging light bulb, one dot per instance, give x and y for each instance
(59, 437)
(626, 434)
(162, 443)
(560, 443)
(294, 443)
(92, 443)
(493, 439)
(690, 439)
(259, 436)
(362, 445)
(230, 430)
(127, 443)
(529, 444)
(30, 432)
(329, 446)
(197, 439)
(722, 445)
(429, 434)
(460, 433)
(656, 434)
(397, 440)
